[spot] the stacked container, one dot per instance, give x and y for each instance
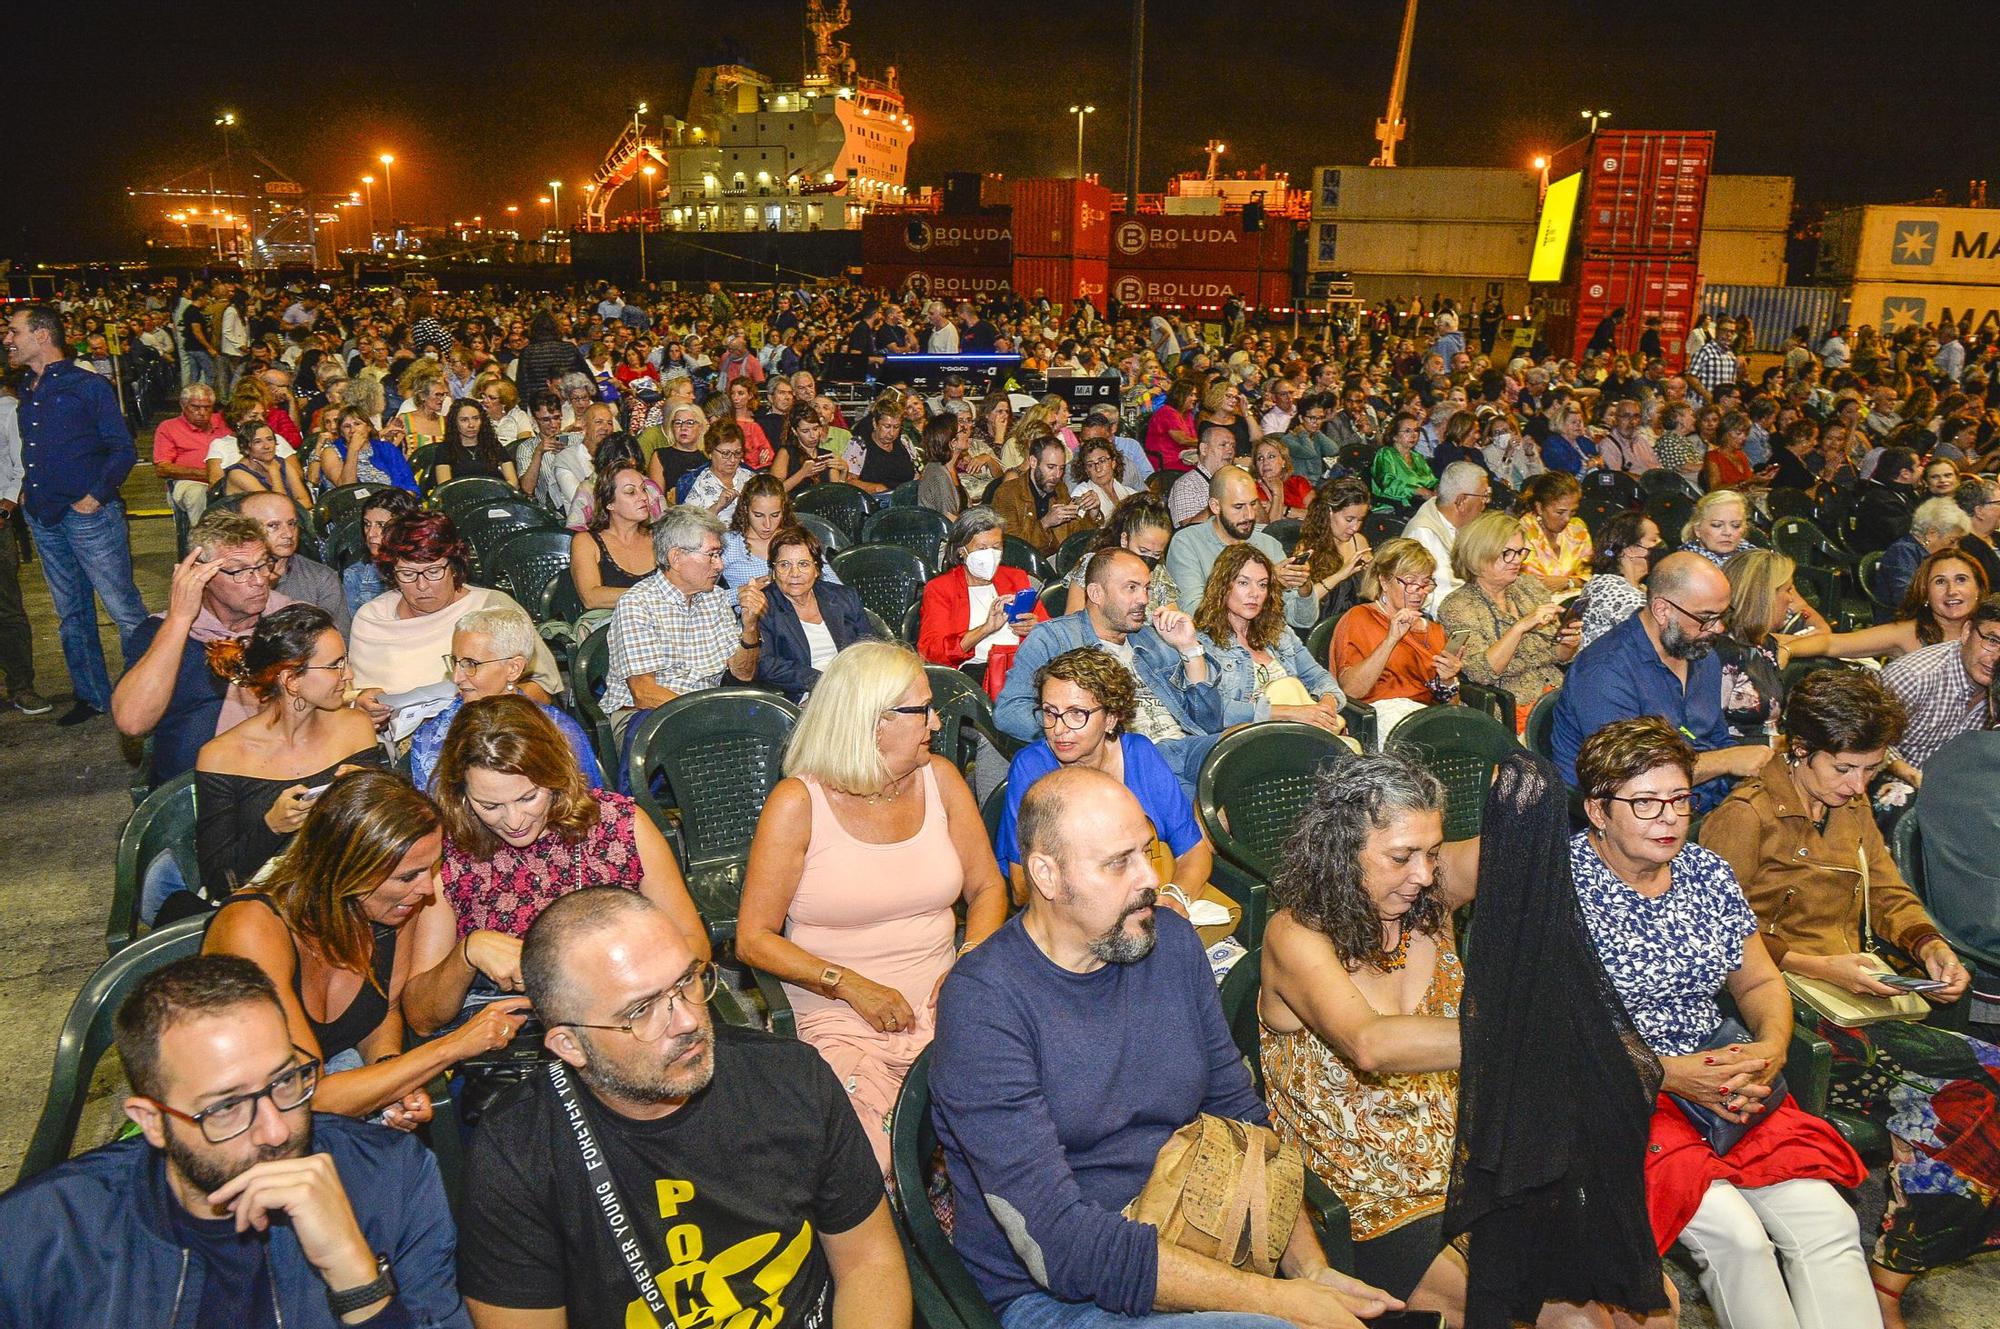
(1062, 239)
(1911, 267)
(1199, 262)
(952, 257)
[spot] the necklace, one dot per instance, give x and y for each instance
(1398, 956)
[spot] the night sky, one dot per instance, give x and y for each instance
(483, 104)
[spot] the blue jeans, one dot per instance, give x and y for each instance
(81, 554)
(1038, 1310)
(1184, 757)
(200, 366)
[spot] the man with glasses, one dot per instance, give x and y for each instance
(236, 1205)
(1661, 661)
(1464, 490)
(1629, 445)
(221, 589)
(668, 1168)
(293, 575)
(676, 631)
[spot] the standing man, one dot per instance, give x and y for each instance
(1715, 363)
(17, 635)
(75, 451)
(943, 338)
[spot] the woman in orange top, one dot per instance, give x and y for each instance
(1385, 647)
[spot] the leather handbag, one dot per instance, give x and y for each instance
(1225, 1190)
(1721, 1133)
(1852, 1010)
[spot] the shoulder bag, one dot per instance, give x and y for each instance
(617, 1218)
(1225, 1190)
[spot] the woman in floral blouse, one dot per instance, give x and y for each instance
(1559, 549)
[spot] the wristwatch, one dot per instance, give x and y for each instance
(748, 645)
(829, 977)
(353, 1299)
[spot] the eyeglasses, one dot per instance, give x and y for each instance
(922, 708)
(335, 667)
(1705, 622)
(1417, 587)
(648, 1021)
(454, 663)
(1513, 555)
(1072, 717)
(411, 576)
(1647, 808)
(712, 555)
(222, 1122)
(239, 575)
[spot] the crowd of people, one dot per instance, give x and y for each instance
(416, 847)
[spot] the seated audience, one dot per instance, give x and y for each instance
(737, 1161)
(802, 454)
(1624, 557)
(1399, 476)
(1661, 662)
(261, 470)
(553, 464)
(1510, 633)
(1170, 432)
(1232, 520)
(1098, 471)
(361, 580)
(1070, 1046)
(1384, 649)
(1795, 835)
(720, 486)
(1888, 497)
(677, 632)
(1938, 606)
(1945, 689)
(1189, 497)
(1142, 525)
(1773, 1240)
(966, 608)
(1568, 448)
(180, 449)
(760, 512)
(861, 853)
(1937, 524)
(1280, 493)
(471, 447)
(293, 575)
(1035, 504)
(221, 1210)
(1335, 551)
(885, 462)
(327, 925)
(941, 485)
(679, 453)
(1715, 530)
(491, 651)
(1462, 495)
(807, 620)
(1559, 548)
(1762, 601)
(1262, 671)
(614, 551)
(355, 455)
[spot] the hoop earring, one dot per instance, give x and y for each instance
(299, 703)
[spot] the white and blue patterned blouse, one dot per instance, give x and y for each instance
(1667, 956)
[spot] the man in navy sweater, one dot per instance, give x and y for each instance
(1070, 1045)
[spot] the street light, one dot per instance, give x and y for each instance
(649, 171)
(368, 183)
(388, 159)
(544, 201)
(1594, 117)
(555, 190)
(1079, 112)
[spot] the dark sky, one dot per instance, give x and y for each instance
(483, 104)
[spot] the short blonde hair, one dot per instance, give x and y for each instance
(1480, 543)
(510, 396)
(1399, 557)
(834, 740)
(1707, 504)
(1755, 575)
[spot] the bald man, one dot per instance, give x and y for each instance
(293, 575)
(1071, 1044)
(1661, 662)
(1232, 519)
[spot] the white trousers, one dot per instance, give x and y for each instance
(1740, 1238)
(191, 497)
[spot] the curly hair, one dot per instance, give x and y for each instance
(1316, 530)
(422, 537)
(756, 487)
(1212, 616)
(1099, 674)
(1320, 877)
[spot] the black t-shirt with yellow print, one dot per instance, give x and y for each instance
(731, 1193)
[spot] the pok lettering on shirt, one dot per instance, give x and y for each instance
(739, 1287)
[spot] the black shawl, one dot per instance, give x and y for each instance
(1556, 1088)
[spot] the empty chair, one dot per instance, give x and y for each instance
(918, 530)
(889, 578)
(842, 505)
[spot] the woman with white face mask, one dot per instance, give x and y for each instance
(967, 609)
(1511, 456)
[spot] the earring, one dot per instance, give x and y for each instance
(299, 703)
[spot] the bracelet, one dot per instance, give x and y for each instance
(747, 644)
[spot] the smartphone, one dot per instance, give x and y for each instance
(1023, 602)
(1407, 1320)
(314, 792)
(1911, 984)
(1455, 642)
(1573, 611)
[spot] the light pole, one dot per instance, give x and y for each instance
(1594, 117)
(544, 201)
(555, 191)
(226, 122)
(368, 183)
(645, 217)
(1079, 112)
(1541, 164)
(638, 109)
(514, 219)
(588, 190)
(388, 159)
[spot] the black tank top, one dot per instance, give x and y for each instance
(370, 1006)
(608, 570)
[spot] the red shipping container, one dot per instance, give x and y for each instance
(1210, 244)
(1063, 280)
(1644, 286)
(943, 283)
(960, 242)
(1643, 190)
(1062, 219)
(1183, 288)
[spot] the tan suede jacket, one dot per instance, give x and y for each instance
(1015, 503)
(1804, 884)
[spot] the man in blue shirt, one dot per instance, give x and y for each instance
(76, 451)
(1660, 662)
(1071, 1044)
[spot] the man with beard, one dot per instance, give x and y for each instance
(1071, 1044)
(1232, 519)
(668, 1169)
(1660, 662)
(236, 1206)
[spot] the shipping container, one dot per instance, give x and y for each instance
(1773, 310)
(1062, 219)
(1643, 286)
(1743, 258)
(978, 241)
(1948, 246)
(1747, 203)
(1188, 288)
(1643, 189)
(1470, 293)
(1448, 249)
(1216, 244)
(1063, 280)
(1182, 205)
(940, 282)
(1892, 307)
(1425, 193)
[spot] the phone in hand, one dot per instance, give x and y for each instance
(1908, 984)
(313, 793)
(1022, 603)
(1407, 1320)
(1455, 642)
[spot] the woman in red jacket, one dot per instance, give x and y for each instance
(966, 607)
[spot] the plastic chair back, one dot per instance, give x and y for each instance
(490, 525)
(1071, 551)
(1251, 791)
(918, 530)
(526, 562)
(720, 752)
(1670, 511)
(1783, 501)
(831, 538)
(1319, 642)
(889, 578)
(1540, 735)
(964, 716)
(560, 602)
(345, 545)
(164, 822)
(913, 1143)
(1239, 1012)
(87, 1035)
(1461, 747)
(1381, 526)
(1018, 553)
(589, 671)
(1286, 532)
(843, 505)
(1867, 573)
(343, 503)
(455, 497)
(912, 623)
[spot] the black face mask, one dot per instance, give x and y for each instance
(1656, 555)
(1150, 560)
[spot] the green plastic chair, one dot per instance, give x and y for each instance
(1461, 747)
(831, 538)
(720, 752)
(528, 562)
(344, 544)
(423, 464)
(1071, 551)
(843, 505)
(904, 495)
(87, 1035)
(1540, 735)
(489, 526)
(1319, 642)
(1670, 510)
(918, 530)
(889, 578)
(589, 671)
(1488, 699)
(1249, 795)
(912, 624)
(1865, 573)
(964, 717)
(1798, 538)
(457, 497)
(1285, 531)
(1239, 1011)
(990, 813)
(163, 823)
(1018, 553)
(343, 503)
(560, 602)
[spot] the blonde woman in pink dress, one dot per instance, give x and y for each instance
(860, 854)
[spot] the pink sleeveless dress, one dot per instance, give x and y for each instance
(884, 911)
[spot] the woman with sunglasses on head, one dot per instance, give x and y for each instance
(328, 924)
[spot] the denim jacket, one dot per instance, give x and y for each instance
(1235, 675)
(1196, 707)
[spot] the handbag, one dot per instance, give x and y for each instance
(1721, 1133)
(1225, 1190)
(1852, 1010)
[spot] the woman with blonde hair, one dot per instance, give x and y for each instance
(1035, 422)
(1385, 648)
(1715, 528)
(1510, 631)
(501, 400)
(426, 400)
(1763, 604)
(860, 854)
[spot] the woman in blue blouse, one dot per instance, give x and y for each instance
(1261, 669)
(1568, 448)
(1087, 699)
